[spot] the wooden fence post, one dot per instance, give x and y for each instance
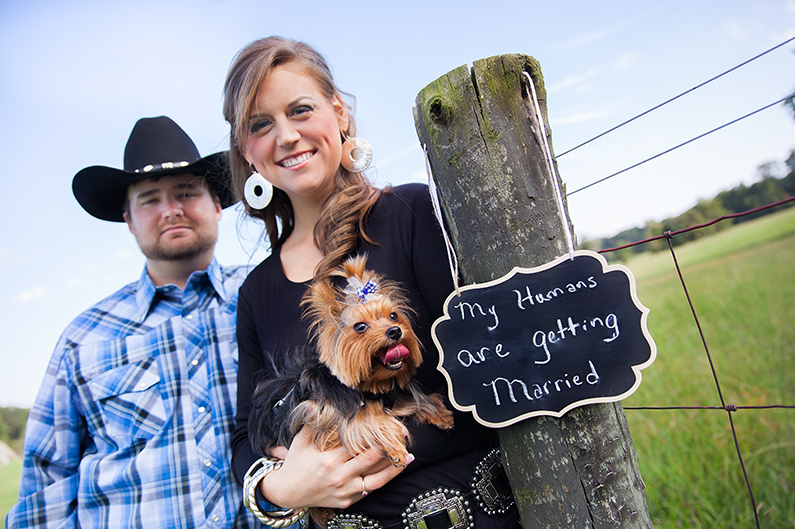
(486, 154)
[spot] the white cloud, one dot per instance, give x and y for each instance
(778, 37)
(625, 60)
(32, 294)
(588, 39)
(574, 81)
(735, 30)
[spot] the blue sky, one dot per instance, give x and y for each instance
(75, 76)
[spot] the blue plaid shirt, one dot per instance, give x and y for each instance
(132, 424)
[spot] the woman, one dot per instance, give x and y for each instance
(288, 124)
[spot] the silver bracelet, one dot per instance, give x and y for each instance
(254, 475)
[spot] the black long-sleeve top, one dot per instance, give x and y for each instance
(409, 250)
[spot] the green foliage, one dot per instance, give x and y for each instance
(12, 427)
(771, 187)
(741, 282)
(791, 104)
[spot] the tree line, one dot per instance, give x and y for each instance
(770, 187)
(12, 426)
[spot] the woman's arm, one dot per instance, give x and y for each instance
(250, 364)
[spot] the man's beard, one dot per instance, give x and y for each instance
(179, 252)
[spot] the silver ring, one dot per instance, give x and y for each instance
(364, 490)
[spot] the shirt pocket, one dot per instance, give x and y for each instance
(129, 401)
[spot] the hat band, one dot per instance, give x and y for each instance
(162, 166)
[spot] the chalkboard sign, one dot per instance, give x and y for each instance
(541, 341)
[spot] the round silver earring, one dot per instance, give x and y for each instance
(258, 192)
(356, 154)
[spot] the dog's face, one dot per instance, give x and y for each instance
(366, 340)
(375, 347)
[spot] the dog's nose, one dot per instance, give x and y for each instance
(394, 333)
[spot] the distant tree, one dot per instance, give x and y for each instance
(788, 182)
(654, 228)
(12, 426)
(775, 181)
(707, 210)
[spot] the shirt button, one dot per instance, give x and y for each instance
(195, 361)
(216, 517)
(189, 317)
(202, 409)
(207, 462)
(142, 385)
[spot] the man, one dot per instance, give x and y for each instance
(132, 423)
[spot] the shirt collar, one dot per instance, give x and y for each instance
(146, 289)
(216, 275)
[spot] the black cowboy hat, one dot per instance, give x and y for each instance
(157, 147)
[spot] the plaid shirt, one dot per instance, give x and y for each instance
(132, 424)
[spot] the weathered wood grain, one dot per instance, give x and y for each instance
(485, 149)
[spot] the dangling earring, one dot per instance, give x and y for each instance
(361, 149)
(258, 192)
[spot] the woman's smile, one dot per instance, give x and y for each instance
(294, 125)
(292, 161)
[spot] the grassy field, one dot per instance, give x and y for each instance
(742, 282)
(9, 483)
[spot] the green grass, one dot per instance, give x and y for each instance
(9, 483)
(742, 283)
(744, 236)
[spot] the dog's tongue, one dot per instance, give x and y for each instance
(394, 354)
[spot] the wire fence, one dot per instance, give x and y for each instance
(729, 408)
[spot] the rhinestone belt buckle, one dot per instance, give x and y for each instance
(490, 485)
(352, 521)
(440, 508)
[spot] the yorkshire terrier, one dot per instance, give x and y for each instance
(354, 384)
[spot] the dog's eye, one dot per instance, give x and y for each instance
(360, 327)
(393, 316)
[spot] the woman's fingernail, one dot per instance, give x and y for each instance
(409, 458)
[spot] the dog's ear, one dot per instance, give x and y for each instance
(321, 302)
(354, 267)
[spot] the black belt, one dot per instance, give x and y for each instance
(445, 508)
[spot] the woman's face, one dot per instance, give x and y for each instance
(294, 134)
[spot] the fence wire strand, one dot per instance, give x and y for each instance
(675, 147)
(671, 100)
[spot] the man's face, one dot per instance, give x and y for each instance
(173, 218)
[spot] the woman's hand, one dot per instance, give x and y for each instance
(334, 478)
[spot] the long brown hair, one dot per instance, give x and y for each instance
(341, 219)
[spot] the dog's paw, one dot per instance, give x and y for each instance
(444, 420)
(446, 424)
(399, 458)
